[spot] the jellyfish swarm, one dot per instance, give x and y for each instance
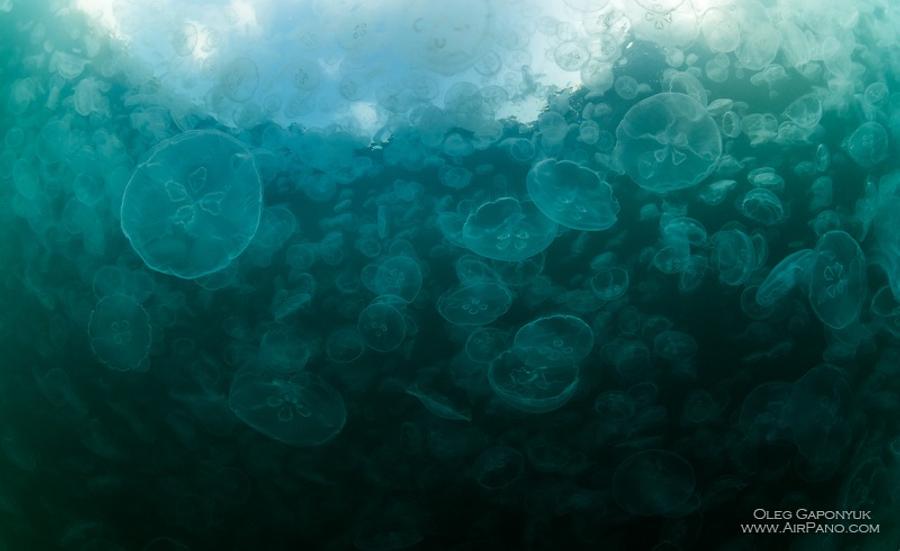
(668, 142)
(194, 205)
(297, 409)
(572, 195)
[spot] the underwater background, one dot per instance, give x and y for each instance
(482, 274)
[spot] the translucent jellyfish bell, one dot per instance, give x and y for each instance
(475, 303)
(572, 195)
(382, 326)
(120, 333)
(668, 142)
(533, 389)
(557, 340)
(194, 205)
(508, 229)
(299, 410)
(838, 284)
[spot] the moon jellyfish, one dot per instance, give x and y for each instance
(475, 303)
(553, 341)
(654, 483)
(868, 145)
(508, 229)
(282, 349)
(817, 414)
(674, 345)
(533, 389)
(733, 256)
(299, 410)
(610, 283)
(838, 283)
(194, 205)
(344, 345)
(382, 327)
(486, 343)
(668, 142)
(400, 276)
(120, 333)
(762, 206)
(498, 467)
(793, 270)
(573, 196)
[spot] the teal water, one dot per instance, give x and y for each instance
(581, 274)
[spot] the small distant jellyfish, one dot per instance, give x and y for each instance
(498, 467)
(382, 327)
(668, 142)
(299, 409)
(120, 333)
(194, 205)
(508, 229)
(399, 276)
(344, 345)
(556, 340)
(239, 79)
(610, 283)
(868, 145)
(571, 55)
(572, 195)
(486, 343)
(654, 483)
(475, 303)
(763, 206)
(838, 283)
(674, 345)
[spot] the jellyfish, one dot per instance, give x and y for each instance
(498, 467)
(674, 345)
(654, 483)
(298, 409)
(868, 145)
(239, 79)
(838, 283)
(508, 229)
(120, 333)
(762, 206)
(793, 270)
(610, 283)
(344, 345)
(398, 276)
(382, 327)
(486, 343)
(668, 142)
(557, 340)
(573, 196)
(733, 256)
(533, 389)
(475, 303)
(194, 205)
(282, 349)
(438, 404)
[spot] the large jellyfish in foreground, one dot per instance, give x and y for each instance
(668, 142)
(298, 409)
(194, 205)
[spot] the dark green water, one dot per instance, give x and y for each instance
(497, 275)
